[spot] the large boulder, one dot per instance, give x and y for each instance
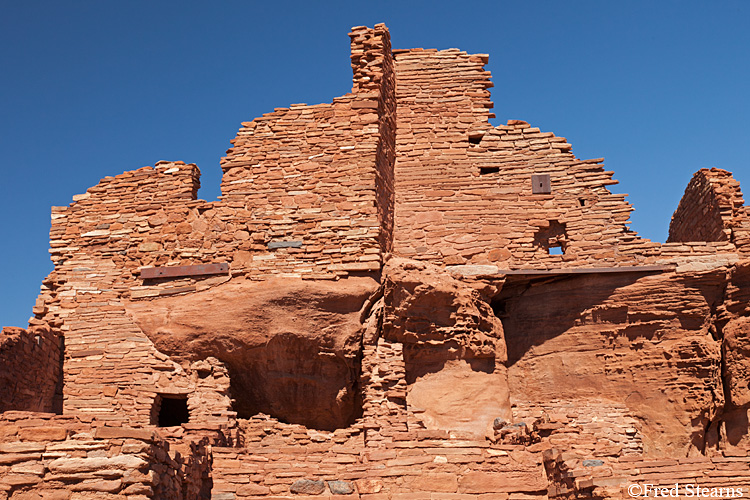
(454, 349)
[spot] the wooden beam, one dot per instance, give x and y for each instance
(587, 270)
(178, 271)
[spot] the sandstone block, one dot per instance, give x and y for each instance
(365, 486)
(76, 465)
(252, 489)
(123, 432)
(43, 434)
(100, 485)
(498, 482)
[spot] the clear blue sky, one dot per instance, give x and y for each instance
(659, 89)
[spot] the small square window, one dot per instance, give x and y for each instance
(170, 410)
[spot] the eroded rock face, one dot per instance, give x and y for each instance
(292, 347)
(732, 430)
(647, 340)
(454, 349)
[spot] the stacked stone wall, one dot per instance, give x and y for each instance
(307, 193)
(372, 65)
(464, 192)
(290, 462)
(725, 476)
(31, 374)
(62, 457)
(712, 209)
(302, 183)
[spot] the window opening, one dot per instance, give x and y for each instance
(170, 410)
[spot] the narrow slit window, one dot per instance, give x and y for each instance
(488, 170)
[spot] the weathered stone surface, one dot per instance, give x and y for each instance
(43, 434)
(498, 482)
(368, 486)
(124, 432)
(640, 339)
(12, 458)
(340, 487)
(75, 465)
(454, 349)
(308, 487)
(98, 485)
(431, 481)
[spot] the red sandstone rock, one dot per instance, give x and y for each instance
(454, 350)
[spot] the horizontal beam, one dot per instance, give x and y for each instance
(586, 270)
(488, 270)
(179, 271)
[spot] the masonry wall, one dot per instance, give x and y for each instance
(387, 455)
(313, 184)
(303, 182)
(372, 65)
(307, 193)
(706, 211)
(712, 209)
(51, 456)
(464, 189)
(98, 244)
(31, 375)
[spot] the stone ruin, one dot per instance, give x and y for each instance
(392, 300)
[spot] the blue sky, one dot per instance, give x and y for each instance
(92, 88)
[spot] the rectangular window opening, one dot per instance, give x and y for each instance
(170, 410)
(488, 170)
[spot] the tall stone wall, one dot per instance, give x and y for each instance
(31, 374)
(464, 189)
(302, 179)
(465, 193)
(712, 209)
(372, 64)
(99, 244)
(307, 193)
